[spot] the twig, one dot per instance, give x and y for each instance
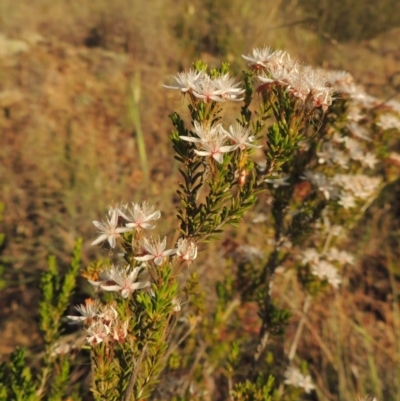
(134, 374)
(299, 330)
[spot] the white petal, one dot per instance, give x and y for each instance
(153, 216)
(189, 138)
(218, 157)
(144, 258)
(114, 218)
(100, 225)
(202, 152)
(225, 149)
(122, 229)
(112, 241)
(102, 238)
(158, 260)
(114, 287)
(169, 252)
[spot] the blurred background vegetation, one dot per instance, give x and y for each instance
(84, 123)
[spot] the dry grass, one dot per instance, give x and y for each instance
(69, 147)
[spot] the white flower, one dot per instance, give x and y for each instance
(97, 332)
(203, 133)
(88, 311)
(155, 250)
(186, 250)
(215, 149)
(326, 271)
(393, 105)
(208, 91)
(360, 185)
(211, 140)
(241, 136)
(342, 81)
(337, 230)
(354, 113)
(109, 230)
(119, 330)
(320, 91)
(358, 131)
(346, 200)
(328, 154)
(187, 81)
(124, 280)
(369, 160)
(230, 89)
(279, 75)
(388, 121)
(310, 255)
(104, 276)
(353, 146)
(342, 257)
(250, 253)
(278, 181)
(266, 57)
(141, 217)
(108, 315)
(323, 184)
(294, 377)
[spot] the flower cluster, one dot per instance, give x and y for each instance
(136, 217)
(302, 82)
(208, 89)
(293, 377)
(121, 279)
(346, 188)
(213, 141)
(102, 322)
(321, 264)
(149, 249)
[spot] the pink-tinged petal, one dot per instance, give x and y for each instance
(144, 258)
(202, 152)
(131, 225)
(141, 284)
(225, 149)
(122, 229)
(265, 79)
(125, 293)
(169, 252)
(114, 287)
(102, 238)
(158, 260)
(218, 157)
